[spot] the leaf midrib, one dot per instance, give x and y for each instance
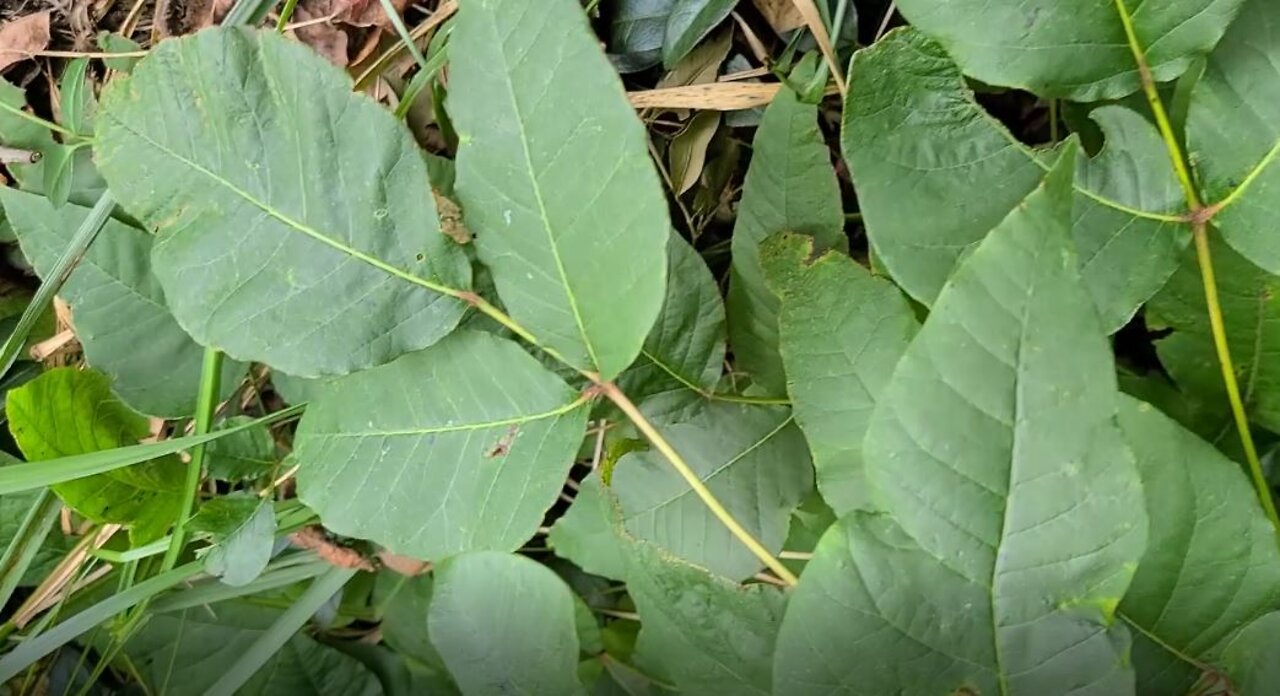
(462, 427)
(286, 219)
(542, 207)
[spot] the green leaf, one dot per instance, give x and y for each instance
(293, 221)
(118, 307)
(1211, 564)
(440, 452)
(1250, 656)
(1076, 50)
(587, 533)
(555, 178)
(752, 458)
(504, 624)
(1250, 302)
(709, 635)
(404, 619)
(246, 454)
(842, 332)
(67, 412)
(934, 173)
(684, 351)
(1017, 509)
(16, 131)
(790, 186)
(243, 529)
(187, 652)
(77, 99)
(1233, 132)
(115, 43)
(689, 22)
(637, 29)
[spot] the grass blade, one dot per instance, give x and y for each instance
(214, 591)
(33, 649)
(24, 477)
(281, 631)
(30, 536)
(84, 236)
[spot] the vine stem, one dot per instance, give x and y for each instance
(1199, 217)
(614, 394)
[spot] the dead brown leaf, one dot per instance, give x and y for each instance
(324, 37)
(451, 219)
(366, 13)
(315, 539)
(22, 37)
(781, 15)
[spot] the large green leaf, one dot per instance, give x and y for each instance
(293, 217)
(404, 617)
(1071, 48)
(709, 635)
(684, 351)
(186, 652)
(118, 307)
(1233, 131)
(460, 446)
(688, 22)
(1211, 564)
(790, 186)
(556, 181)
(842, 332)
(1250, 302)
(752, 458)
(68, 411)
(247, 454)
(935, 173)
(504, 624)
(1017, 508)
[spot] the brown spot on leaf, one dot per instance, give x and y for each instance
(451, 219)
(503, 445)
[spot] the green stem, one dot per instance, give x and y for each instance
(285, 15)
(26, 542)
(726, 518)
(1199, 232)
(22, 113)
(1219, 331)
(206, 404)
(54, 279)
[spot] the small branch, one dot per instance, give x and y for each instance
(610, 390)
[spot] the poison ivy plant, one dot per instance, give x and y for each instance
(566, 206)
(838, 355)
(355, 280)
(935, 172)
(1014, 506)
(838, 411)
(118, 307)
(504, 623)
(1077, 50)
(1204, 527)
(752, 458)
(384, 457)
(789, 186)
